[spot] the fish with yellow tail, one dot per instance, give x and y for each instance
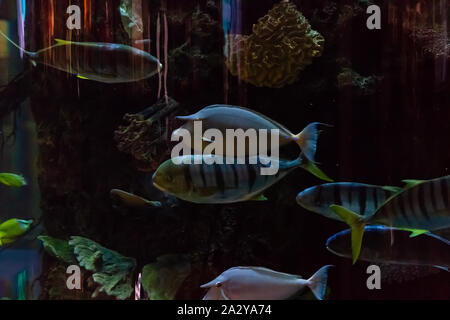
(13, 229)
(226, 117)
(257, 283)
(96, 61)
(420, 207)
(210, 179)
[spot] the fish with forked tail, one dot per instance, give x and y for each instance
(226, 117)
(183, 178)
(257, 283)
(359, 197)
(421, 205)
(97, 61)
(394, 246)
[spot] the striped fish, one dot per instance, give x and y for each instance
(222, 183)
(421, 205)
(358, 197)
(391, 245)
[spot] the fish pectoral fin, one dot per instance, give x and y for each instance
(392, 189)
(415, 232)
(259, 197)
(81, 77)
(412, 183)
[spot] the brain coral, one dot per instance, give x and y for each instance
(281, 46)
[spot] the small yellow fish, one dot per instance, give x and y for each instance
(132, 200)
(12, 229)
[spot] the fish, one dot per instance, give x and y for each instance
(394, 246)
(224, 117)
(422, 206)
(12, 180)
(358, 197)
(12, 229)
(132, 200)
(96, 61)
(223, 183)
(258, 283)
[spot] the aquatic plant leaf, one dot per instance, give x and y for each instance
(112, 271)
(162, 279)
(60, 249)
(12, 180)
(131, 18)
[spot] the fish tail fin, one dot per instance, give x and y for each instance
(356, 223)
(307, 140)
(312, 168)
(29, 53)
(318, 282)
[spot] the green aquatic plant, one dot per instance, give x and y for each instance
(162, 279)
(12, 180)
(59, 249)
(112, 271)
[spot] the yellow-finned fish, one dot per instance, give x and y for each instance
(12, 229)
(223, 183)
(225, 117)
(132, 200)
(97, 61)
(420, 206)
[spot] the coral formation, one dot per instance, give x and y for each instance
(142, 137)
(59, 249)
(281, 46)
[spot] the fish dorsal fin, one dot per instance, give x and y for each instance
(392, 189)
(277, 124)
(412, 183)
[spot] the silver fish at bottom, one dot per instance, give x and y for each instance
(257, 283)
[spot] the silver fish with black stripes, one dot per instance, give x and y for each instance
(358, 197)
(423, 205)
(202, 179)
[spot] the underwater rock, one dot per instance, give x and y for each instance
(131, 18)
(162, 279)
(281, 46)
(144, 137)
(59, 249)
(111, 270)
(432, 42)
(365, 86)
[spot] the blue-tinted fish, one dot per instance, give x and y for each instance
(423, 205)
(358, 197)
(391, 245)
(256, 283)
(222, 183)
(225, 117)
(97, 61)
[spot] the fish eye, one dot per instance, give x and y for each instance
(218, 284)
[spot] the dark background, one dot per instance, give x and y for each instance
(392, 129)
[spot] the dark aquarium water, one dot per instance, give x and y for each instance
(224, 149)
